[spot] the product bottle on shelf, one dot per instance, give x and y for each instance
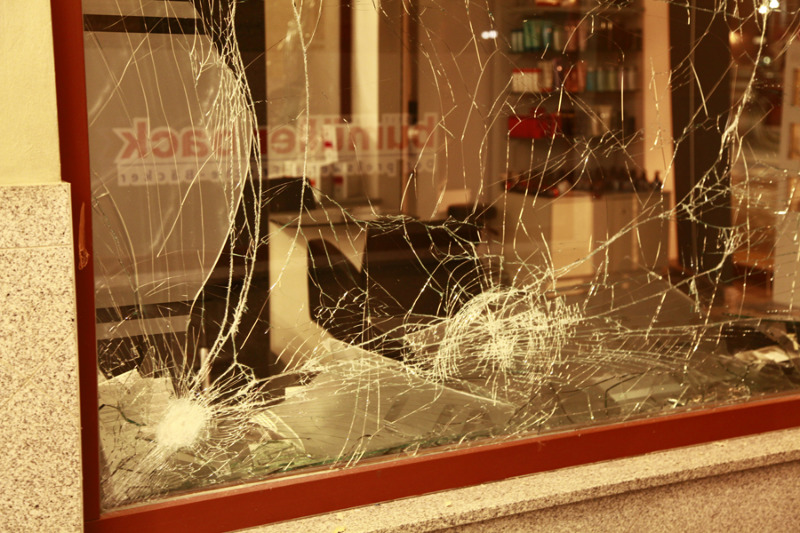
(559, 38)
(547, 34)
(591, 79)
(547, 77)
(571, 36)
(581, 70)
(517, 41)
(632, 78)
(582, 34)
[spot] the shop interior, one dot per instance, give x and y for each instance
(327, 232)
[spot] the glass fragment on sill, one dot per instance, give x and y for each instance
(458, 223)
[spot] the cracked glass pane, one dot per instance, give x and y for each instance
(325, 232)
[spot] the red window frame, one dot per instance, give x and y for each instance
(262, 502)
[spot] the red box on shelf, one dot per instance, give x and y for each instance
(534, 127)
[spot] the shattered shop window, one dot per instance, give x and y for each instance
(329, 231)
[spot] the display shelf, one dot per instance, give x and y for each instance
(589, 75)
(577, 8)
(582, 64)
(546, 93)
(573, 34)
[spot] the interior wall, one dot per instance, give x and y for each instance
(365, 81)
(656, 79)
(288, 69)
(451, 73)
(657, 101)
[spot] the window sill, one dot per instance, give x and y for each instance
(556, 488)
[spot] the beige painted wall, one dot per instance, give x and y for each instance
(29, 130)
(657, 92)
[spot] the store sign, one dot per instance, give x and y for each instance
(164, 155)
(326, 145)
(161, 163)
(140, 141)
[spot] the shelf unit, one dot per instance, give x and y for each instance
(571, 155)
(571, 82)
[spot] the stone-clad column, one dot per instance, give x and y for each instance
(40, 456)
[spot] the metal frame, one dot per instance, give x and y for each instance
(292, 497)
(73, 136)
